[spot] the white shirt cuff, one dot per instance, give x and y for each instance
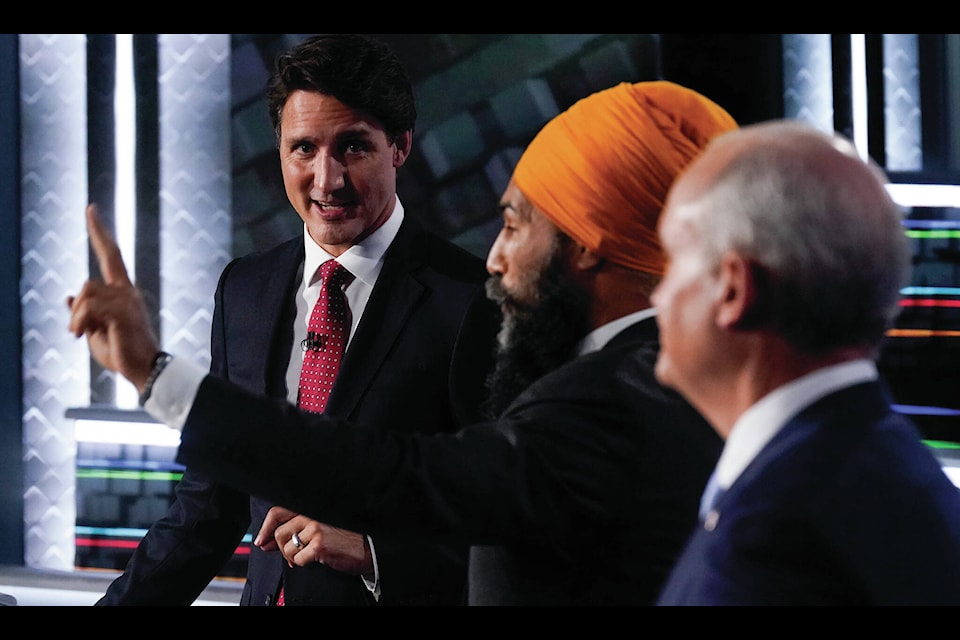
(174, 391)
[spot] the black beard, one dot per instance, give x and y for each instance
(538, 338)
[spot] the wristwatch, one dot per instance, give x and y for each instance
(160, 361)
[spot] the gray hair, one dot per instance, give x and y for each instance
(821, 231)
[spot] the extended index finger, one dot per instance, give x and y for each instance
(106, 250)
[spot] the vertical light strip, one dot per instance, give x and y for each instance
(125, 136)
(858, 91)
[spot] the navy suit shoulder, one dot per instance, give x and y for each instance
(845, 505)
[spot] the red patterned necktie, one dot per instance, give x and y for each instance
(326, 338)
(323, 347)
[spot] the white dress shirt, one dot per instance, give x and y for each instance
(761, 422)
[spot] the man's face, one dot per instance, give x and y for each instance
(339, 168)
(684, 300)
(526, 243)
(545, 312)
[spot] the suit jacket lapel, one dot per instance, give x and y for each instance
(394, 298)
(275, 292)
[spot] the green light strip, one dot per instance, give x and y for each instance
(933, 234)
(114, 474)
(942, 444)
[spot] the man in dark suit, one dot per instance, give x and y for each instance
(584, 488)
(344, 113)
(787, 257)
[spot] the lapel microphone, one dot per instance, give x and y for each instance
(314, 341)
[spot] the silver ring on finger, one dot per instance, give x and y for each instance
(297, 542)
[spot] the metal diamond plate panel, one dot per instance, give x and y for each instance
(195, 234)
(194, 245)
(808, 79)
(54, 263)
(902, 113)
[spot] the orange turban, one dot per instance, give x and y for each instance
(600, 171)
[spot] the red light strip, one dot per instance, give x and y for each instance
(929, 302)
(132, 544)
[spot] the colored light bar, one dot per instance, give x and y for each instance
(117, 432)
(126, 474)
(914, 410)
(929, 302)
(922, 333)
(930, 291)
(925, 195)
(129, 538)
(933, 234)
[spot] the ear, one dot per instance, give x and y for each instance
(402, 145)
(741, 293)
(584, 259)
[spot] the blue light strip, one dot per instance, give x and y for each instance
(913, 410)
(930, 291)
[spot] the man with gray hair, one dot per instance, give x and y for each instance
(786, 258)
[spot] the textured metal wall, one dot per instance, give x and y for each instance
(902, 113)
(195, 192)
(808, 91)
(195, 236)
(54, 265)
(808, 79)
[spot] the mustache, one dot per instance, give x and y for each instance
(496, 292)
(510, 303)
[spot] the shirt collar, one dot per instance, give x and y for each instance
(599, 337)
(761, 422)
(364, 259)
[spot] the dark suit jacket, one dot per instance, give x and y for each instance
(428, 303)
(583, 493)
(844, 506)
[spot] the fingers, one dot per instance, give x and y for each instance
(303, 542)
(82, 318)
(295, 550)
(274, 518)
(293, 538)
(302, 547)
(106, 250)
